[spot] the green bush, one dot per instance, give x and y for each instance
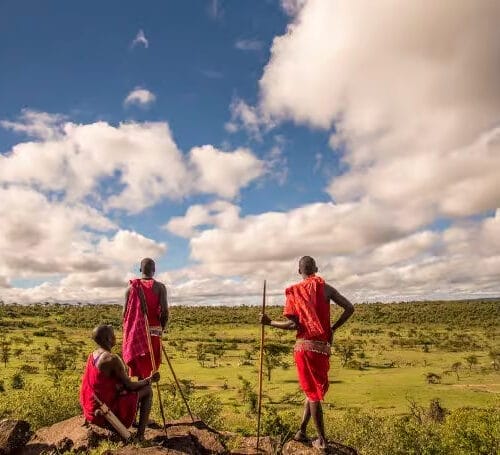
(43, 404)
(278, 423)
(17, 381)
(473, 431)
(207, 407)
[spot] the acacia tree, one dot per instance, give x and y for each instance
(216, 349)
(495, 359)
(273, 356)
(5, 350)
(345, 349)
(471, 360)
(456, 368)
(201, 354)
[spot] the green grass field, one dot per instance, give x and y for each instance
(392, 372)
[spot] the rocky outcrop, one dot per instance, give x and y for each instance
(180, 437)
(13, 434)
(72, 434)
(299, 448)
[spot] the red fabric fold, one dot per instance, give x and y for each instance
(135, 337)
(306, 301)
(312, 369)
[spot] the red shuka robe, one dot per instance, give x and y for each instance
(307, 302)
(94, 381)
(135, 347)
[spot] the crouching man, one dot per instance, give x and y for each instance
(105, 377)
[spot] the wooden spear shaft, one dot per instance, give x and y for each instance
(261, 364)
(152, 356)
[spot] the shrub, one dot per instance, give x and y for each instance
(2, 386)
(29, 369)
(43, 404)
(207, 407)
(281, 424)
(17, 381)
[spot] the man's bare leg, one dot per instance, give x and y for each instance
(301, 435)
(145, 396)
(317, 415)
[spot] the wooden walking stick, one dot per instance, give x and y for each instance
(152, 356)
(177, 382)
(261, 364)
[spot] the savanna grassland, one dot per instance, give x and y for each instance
(405, 378)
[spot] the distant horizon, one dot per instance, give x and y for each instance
(256, 305)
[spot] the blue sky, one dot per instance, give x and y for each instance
(78, 60)
(330, 129)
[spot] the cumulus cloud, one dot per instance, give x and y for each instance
(367, 258)
(429, 142)
(140, 97)
(140, 39)
(142, 160)
(127, 246)
(36, 124)
(248, 45)
(45, 238)
(224, 173)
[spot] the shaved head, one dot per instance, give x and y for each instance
(103, 334)
(148, 267)
(307, 266)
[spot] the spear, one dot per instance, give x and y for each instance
(261, 364)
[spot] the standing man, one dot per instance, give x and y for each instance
(144, 295)
(307, 309)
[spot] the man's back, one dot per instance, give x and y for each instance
(307, 302)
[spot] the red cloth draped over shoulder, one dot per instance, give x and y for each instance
(135, 342)
(307, 302)
(94, 381)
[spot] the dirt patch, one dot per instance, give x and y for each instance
(490, 388)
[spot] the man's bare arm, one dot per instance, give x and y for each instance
(290, 324)
(127, 294)
(114, 367)
(164, 306)
(341, 301)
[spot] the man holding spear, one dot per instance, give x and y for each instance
(143, 324)
(145, 316)
(307, 310)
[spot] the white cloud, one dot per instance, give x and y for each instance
(142, 165)
(364, 257)
(224, 173)
(69, 245)
(248, 45)
(252, 119)
(140, 97)
(140, 39)
(292, 7)
(41, 125)
(128, 246)
(412, 94)
(276, 161)
(219, 213)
